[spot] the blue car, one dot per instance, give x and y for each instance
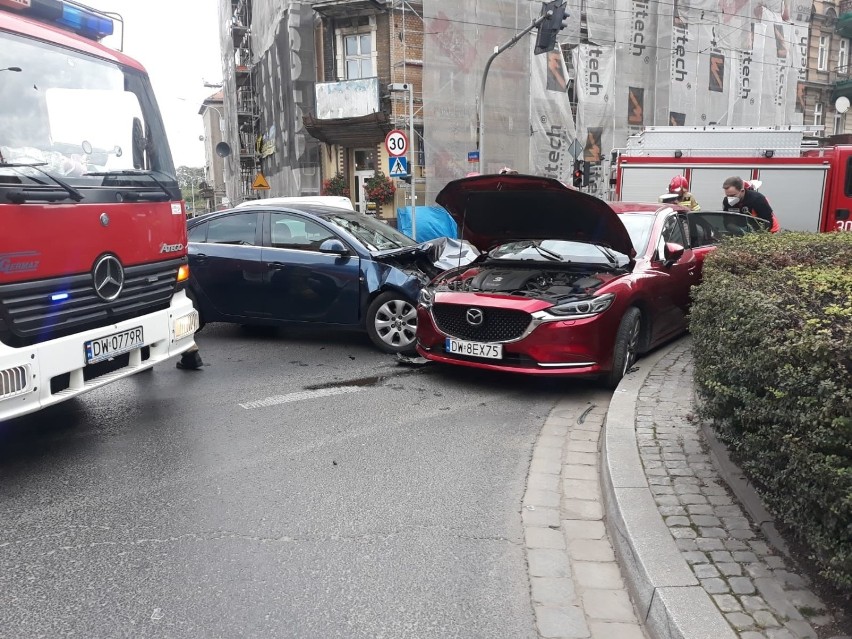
(314, 264)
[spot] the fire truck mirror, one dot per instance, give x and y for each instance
(138, 145)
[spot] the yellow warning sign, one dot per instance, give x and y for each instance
(260, 183)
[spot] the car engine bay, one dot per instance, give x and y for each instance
(552, 285)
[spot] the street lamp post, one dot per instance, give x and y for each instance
(222, 149)
(480, 142)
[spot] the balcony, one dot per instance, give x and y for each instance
(348, 113)
(347, 99)
(844, 18)
(348, 8)
(841, 82)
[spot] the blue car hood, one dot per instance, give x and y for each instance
(443, 252)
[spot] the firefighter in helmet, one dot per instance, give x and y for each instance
(679, 194)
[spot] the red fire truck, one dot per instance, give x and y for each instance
(92, 226)
(809, 187)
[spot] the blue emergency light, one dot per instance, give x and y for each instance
(74, 17)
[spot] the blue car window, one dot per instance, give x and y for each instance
(289, 231)
(233, 229)
(198, 234)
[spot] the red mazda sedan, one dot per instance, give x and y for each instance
(567, 284)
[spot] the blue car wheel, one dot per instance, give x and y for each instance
(392, 323)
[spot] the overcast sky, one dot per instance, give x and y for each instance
(177, 41)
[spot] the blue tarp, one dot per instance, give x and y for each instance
(432, 222)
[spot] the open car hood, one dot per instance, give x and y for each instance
(492, 209)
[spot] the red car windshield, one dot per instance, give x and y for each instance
(639, 227)
(558, 251)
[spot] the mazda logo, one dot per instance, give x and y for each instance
(108, 277)
(474, 316)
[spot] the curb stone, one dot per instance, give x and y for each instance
(576, 587)
(672, 603)
(742, 489)
(757, 592)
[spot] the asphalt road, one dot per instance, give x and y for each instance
(300, 485)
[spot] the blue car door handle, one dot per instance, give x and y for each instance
(277, 265)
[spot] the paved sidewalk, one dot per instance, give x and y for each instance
(576, 585)
(687, 548)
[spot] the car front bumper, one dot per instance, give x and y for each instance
(575, 347)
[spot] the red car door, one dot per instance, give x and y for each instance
(672, 279)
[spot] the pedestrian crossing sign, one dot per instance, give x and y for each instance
(398, 167)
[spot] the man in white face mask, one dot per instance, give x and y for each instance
(741, 200)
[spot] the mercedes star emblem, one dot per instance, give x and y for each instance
(108, 277)
(474, 316)
(104, 219)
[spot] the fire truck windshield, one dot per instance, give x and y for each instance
(84, 120)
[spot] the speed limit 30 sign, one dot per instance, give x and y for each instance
(396, 142)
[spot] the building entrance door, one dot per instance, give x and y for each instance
(365, 167)
(360, 196)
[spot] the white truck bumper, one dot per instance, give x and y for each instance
(37, 376)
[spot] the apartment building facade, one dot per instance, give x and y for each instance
(829, 75)
(306, 85)
(213, 186)
(307, 95)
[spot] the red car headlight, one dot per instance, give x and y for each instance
(591, 306)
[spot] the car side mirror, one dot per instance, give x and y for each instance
(335, 247)
(672, 253)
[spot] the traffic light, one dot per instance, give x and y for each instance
(587, 170)
(556, 20)
(579, 172)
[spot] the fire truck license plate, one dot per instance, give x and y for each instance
(103, 348)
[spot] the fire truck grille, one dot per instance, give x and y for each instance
(498, 324)
(35, 312)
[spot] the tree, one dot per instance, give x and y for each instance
(189, 181)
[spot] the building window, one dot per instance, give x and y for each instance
(818, 114)
(358, 52)
(839, 123)
(365, 159)
(843, 56)
(822, 53)
(356, 49)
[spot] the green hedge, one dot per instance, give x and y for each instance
(772, 329)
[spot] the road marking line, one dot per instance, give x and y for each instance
(297, 397)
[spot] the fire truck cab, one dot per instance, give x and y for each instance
(809, 187)
(93, 257)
